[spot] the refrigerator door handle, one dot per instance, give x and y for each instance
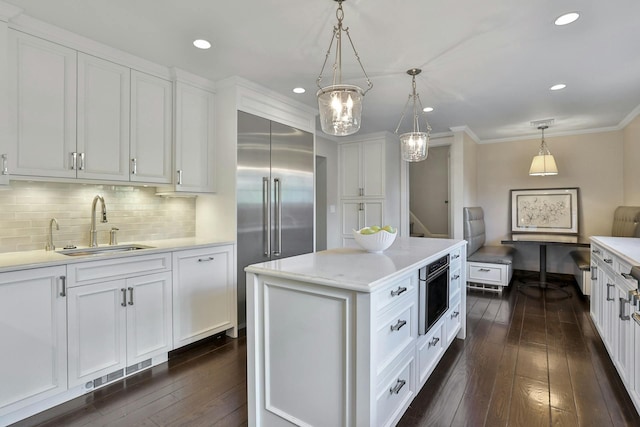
(266, 215)
(278, 195)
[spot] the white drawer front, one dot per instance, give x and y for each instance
(454, 283)
(487, 273)
(455, 256)
(452, 321)
(429, 350)
(395, 332)
(396, 393)
(83, 273)
(401, 291)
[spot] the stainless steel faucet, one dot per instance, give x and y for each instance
(49, 246)
(93, 233)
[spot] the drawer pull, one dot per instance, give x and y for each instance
(455, 314)
(485, 270)
(636, 317)
(396, 389)
(433, 342)
(400, 290)
(608, 260)
(595, 251)
(609, 286)
(205, 259)
(456, 256)
(628, 276)
(398, 325)
(456, 277)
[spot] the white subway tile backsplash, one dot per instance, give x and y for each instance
(27, 208)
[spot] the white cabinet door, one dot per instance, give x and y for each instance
(103, 119)
(624, 329)
(350, 177)
(4, 105)
(42, 93)
(194, 140)
(33, 335)
(97, 330)
(148, 317)
(362, 169)
(151, 126)
(204, 297)
(634, 385)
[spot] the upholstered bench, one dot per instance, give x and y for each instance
(488, 267)
(625, 224)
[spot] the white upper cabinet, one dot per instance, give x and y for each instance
(42, 94)
(362, 167)
(103, 119)
(194, 139)
(4, 106)
(151, 126)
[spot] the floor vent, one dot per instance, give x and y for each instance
(138, 366)
(108, 378)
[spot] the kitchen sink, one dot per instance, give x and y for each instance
(103, 250)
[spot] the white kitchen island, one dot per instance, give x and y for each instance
(333, 337)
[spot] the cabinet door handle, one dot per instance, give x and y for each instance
(398, 325)
(621, 314)
(5, 168)
(124, 297)
(81, 167)
(179, 177)
(396, 389)
(455, 277)
(134, 166)
(636, 317)
(360, 191)
(455, 314)
(130, 295)
(63, 279)
(74, 161)
(400, 290)
(433, 342)
(609, 286)
(608, 260)
(594, 272)
(205, 259)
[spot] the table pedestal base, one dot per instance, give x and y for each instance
(543, 288)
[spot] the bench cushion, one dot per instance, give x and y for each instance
(582, 259)
(493, 255)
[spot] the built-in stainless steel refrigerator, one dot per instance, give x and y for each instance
(274, 193)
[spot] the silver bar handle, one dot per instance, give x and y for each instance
(5, 168)
(455, 314)
(360, 191)
(81, 167)
(455, 277)
(398, 325)
(134, 166)
(63, 279)
(636, 317)
(433, 342)
(278, 194)
(595, 251)
(266, 215)
(609, 286)
(485, 270)
(179, 177)
(124, 297)
(455, 256)
(621, 314)
(398, 291)
(74, 161)
(396, 389)
(628, 276)
(608, 260)
(205, 259)
(130, 295)
(594, 272)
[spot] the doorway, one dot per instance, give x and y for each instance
(321, 203)
(429, 194)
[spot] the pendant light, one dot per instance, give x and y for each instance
(543, 164)
(340, 104)
(415, 144)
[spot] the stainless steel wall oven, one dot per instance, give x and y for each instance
(433, 292)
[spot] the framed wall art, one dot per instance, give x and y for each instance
(544, 210)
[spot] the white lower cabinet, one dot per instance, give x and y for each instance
(204, 295)
(33, 318)
(114, 325)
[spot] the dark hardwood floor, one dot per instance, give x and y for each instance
(527, 361)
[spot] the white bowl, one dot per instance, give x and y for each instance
(376, 242)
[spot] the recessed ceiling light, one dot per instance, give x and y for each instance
(201, 44)
(559, 86)
(298, 90)
(567, 18)
(427, 109)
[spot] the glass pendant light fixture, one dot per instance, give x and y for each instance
(414, 144)
(543, 164)
(340, 104)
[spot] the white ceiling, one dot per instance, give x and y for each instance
(486, 65)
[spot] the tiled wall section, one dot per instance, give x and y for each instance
(27, 208)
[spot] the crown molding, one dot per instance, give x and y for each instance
(468, 131)
(632, 115)
(9, 11)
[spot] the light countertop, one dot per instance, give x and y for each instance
(627, 248)
(32, 259)
(356, 269)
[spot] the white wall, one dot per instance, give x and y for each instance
(591, 162)
(329, 150)
(632, 163)
(429, 188)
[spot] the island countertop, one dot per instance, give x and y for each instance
(356, 269)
